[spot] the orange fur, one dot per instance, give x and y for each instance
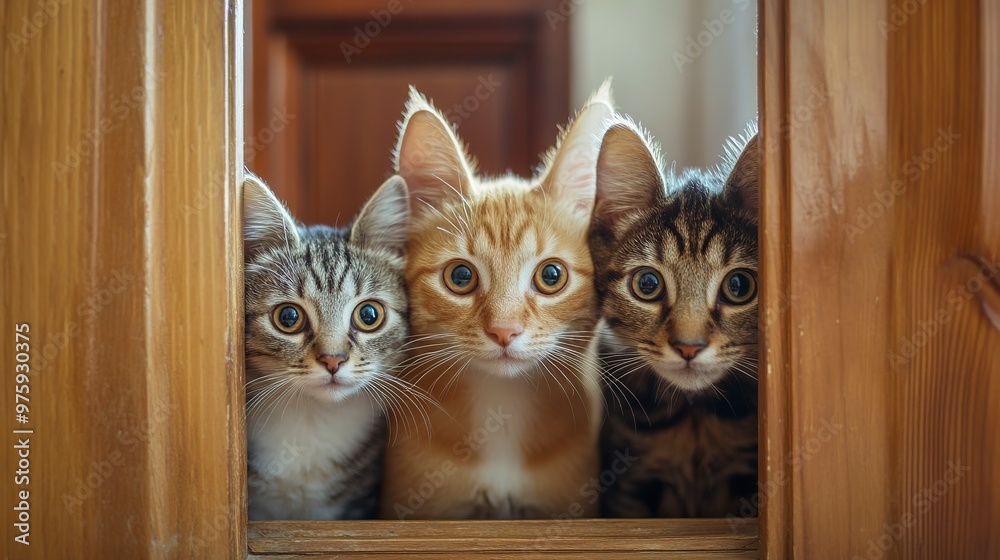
(516, 435)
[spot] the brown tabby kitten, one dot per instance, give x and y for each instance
(503, 309)
(676, 271)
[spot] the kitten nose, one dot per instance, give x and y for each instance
(332, 361)
(688, 350)
(502, 335)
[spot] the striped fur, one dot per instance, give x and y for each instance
(691, 424)
(516, 436)
(314, 440)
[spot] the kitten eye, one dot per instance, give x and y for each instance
(739, 287)
(460, 277)
(647, 284)
(368, 315)
(288, 318)
(550, 277)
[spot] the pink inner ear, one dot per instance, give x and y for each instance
(575, 162)
(575, 180)
(430, 160)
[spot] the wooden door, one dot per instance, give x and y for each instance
(330, 80)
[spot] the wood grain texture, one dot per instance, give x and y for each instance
(879, 209)
(774, 365)
(945, 417)
(120, 126)
(578, 538)
(520, 555)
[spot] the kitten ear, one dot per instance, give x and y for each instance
(571, 173)
(382, 221)
(628, 173)
(741, 185)
(429, 156)
(266, 222)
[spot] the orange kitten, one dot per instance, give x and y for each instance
(503, 312)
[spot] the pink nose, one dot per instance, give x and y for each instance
(688, 350)
(332, 361)
(502, 335)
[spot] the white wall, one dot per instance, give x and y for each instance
(690, 100)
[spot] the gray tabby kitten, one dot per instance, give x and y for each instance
(676, 271)
(326, 315)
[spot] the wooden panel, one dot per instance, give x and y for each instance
(879, 248)
(340, 147)
(340, 71)
(575, 538)
(121, 251)
(945, 353)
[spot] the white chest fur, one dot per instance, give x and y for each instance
(503, 410)
(506, 416)
(296, 456)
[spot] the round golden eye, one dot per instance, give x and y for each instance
(288, 318)
(461, 277)
(550, 277)
(368, 315)
(647, 284)
(739, 286)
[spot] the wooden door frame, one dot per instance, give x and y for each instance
(126, 263)
(122, 131)
(880, 127)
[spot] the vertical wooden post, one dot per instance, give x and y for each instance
(121, 132)
(880, 251)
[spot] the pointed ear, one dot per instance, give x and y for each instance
(383, 220)
(741, 185)
(266, 222)
(628, 174)
(571, 173)
(430, 157)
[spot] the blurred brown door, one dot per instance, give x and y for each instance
(329, 81)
